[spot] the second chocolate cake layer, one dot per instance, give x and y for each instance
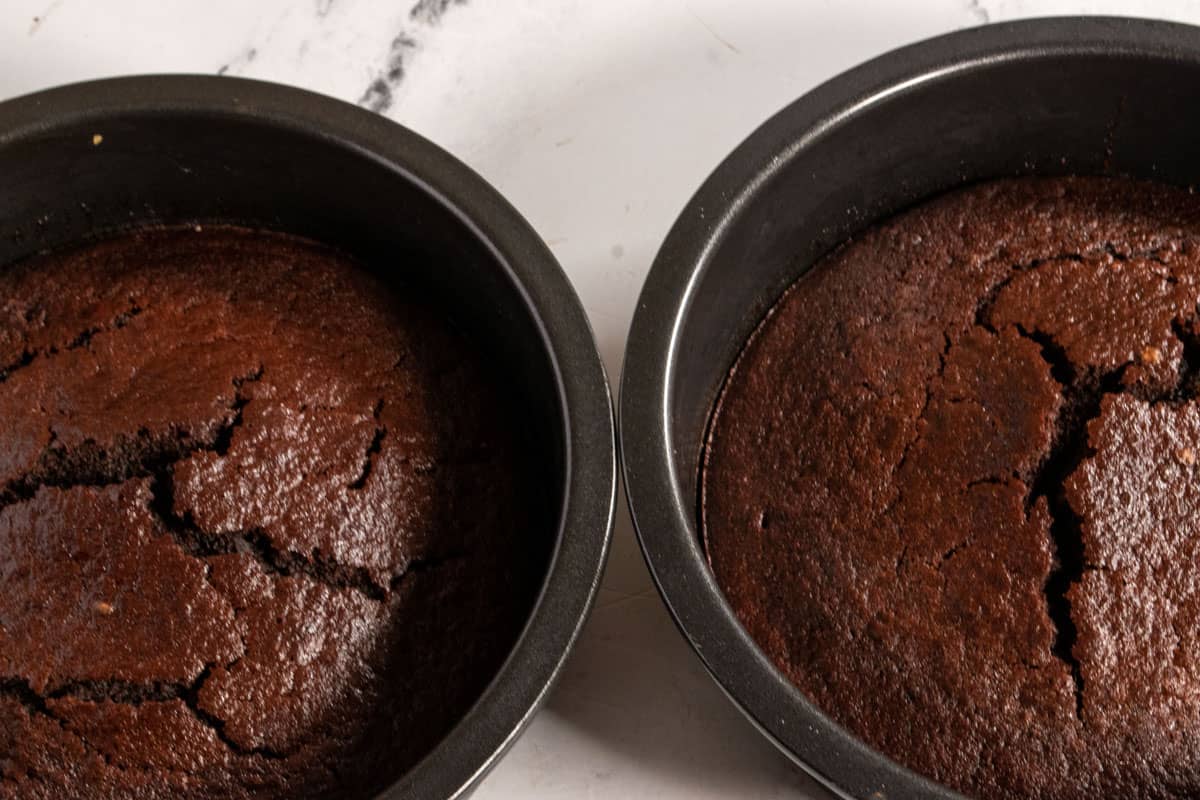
(951, 489)
(265, 529)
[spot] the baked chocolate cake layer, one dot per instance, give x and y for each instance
(265, 530)
(951, 489)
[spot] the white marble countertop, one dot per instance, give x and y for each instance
(597, 120)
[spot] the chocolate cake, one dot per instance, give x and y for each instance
(264, 527)
(951, 489)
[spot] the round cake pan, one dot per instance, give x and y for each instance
(88, 159)
(1094, 96)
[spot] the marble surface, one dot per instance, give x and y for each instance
(597, 120)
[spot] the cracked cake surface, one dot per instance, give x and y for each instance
(264, 527)
(950, 487)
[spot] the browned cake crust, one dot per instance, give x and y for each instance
(951, 489)
(263, 527)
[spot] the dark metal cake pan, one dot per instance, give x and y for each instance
(84, 160)
(1091, 96)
